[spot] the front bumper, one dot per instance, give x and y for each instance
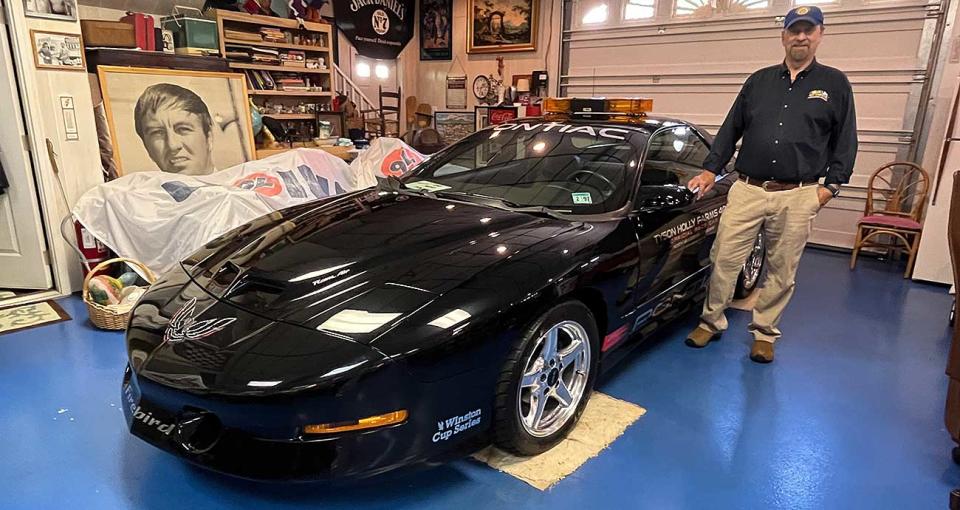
(261, 440)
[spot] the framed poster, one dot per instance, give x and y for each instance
(498, 26)
(436, 29)
(453, 126)
(55, 50)
(53, 9)
(186, 122)
(487, 116)
(456, 92)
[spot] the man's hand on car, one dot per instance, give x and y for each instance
(702, 183)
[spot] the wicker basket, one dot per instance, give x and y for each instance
(104, 317)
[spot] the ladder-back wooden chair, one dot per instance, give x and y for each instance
(896, 196)
(386, 119)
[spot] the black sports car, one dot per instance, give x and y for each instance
(471, 301)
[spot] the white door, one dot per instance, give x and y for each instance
(22, 245)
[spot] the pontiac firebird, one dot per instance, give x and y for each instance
(472, 301)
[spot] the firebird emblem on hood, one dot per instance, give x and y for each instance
(184, 327)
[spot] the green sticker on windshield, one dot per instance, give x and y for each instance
(582, 198)
(427, 186)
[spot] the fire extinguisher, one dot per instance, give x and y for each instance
(87, 247)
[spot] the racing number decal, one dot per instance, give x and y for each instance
(399, 162)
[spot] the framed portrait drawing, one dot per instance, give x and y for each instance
(453, 126)
(55, 50)
(186, 122)
(436, 29)
(497, 26)
(52, 9)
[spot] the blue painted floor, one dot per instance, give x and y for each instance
(849, 416)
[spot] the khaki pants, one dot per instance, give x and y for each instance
(786, 218)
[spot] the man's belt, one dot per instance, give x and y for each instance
(775, 185)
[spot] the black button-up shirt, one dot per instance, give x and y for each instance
(792, 131)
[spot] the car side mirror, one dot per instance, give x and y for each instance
(663, 198)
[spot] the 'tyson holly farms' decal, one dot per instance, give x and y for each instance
(682, 233)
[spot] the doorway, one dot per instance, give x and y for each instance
(24, 256)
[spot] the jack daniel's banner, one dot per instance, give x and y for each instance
(376, 28)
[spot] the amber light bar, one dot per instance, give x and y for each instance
(370, 422)
(627, 106)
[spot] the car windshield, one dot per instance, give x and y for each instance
(567, 168)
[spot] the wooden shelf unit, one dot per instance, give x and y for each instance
(289, 93)
(279, 69)
(291, 100)
(290, 116)
(267, 44)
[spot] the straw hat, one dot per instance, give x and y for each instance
(425, 110)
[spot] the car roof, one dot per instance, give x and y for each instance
(648, 125)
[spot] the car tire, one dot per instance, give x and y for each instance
(752, 268)
(521, 425)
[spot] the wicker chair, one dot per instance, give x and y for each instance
(902, 188)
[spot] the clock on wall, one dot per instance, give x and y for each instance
(481, 87)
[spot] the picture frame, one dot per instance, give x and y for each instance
(59, 51)
(65, 10)
(436, 30)
(186, 122)
(492, 115)
(499, 26)
(454, 125)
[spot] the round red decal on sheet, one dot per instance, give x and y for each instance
(399, 162)
(264, 184)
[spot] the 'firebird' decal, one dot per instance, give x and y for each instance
(184, 327)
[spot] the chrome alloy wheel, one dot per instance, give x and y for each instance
(754, 263)
(554, 379)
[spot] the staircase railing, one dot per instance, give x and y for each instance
(343, 84)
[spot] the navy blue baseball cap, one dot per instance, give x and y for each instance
(811, 14)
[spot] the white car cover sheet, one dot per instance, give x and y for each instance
(159, 218)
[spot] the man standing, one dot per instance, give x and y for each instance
(798, 125)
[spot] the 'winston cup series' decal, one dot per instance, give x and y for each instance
(184, 327)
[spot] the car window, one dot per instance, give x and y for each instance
(587, 171)
(674, 156)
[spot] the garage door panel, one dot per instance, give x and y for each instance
(693, 69)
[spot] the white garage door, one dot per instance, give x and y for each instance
(692, 56)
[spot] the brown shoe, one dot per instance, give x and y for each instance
(700, 337)
(762, 352)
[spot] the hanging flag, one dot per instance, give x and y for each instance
(378, 29)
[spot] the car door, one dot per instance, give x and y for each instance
(674, 230)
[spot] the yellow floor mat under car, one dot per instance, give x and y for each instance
(604, 420)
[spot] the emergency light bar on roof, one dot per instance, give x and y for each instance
(625, 109)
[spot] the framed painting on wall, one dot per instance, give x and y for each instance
(52, 9)
(436, 29)
(186, 122)
(453, 126)
(55, 50)
(497, 26)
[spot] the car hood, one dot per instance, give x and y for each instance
(358, 265)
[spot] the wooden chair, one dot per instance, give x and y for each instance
(902, 188)
(386, 119)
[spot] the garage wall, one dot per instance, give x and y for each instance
(430, 76)
(693, 67)
(79, 160)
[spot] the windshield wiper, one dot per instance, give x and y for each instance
(394, 184)
(505, 204)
